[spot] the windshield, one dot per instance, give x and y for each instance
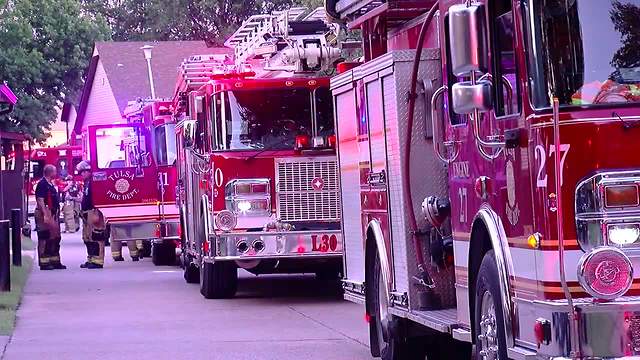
(120, 147)
(165, 144)
(585, 52)
(263, 118)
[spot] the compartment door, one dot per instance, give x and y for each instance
(375, 194)
(350, 133)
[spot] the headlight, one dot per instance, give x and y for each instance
(605, 273)
(248, 197)
(623, 234)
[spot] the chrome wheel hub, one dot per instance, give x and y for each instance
(488, 334)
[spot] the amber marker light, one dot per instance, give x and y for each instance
(534, 241)
(621, 196)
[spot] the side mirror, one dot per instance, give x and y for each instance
(189, 133)
(468, 39)
(468, 97)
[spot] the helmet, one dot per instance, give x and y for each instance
(83, 165)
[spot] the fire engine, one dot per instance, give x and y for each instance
(63, 157)
(134, 177)
(489, 182)
(258, 180)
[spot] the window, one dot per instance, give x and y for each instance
(121, 147)
(324, 112)
(505, 79)
(585, 52)
(165, 144)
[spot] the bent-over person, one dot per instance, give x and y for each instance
(47, 216)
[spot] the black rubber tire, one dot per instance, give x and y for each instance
(146, 249)
(396, 346)
(191, 273)
(163, 254)
(218, 280)
(488, 281)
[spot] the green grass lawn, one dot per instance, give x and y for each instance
(9, 301)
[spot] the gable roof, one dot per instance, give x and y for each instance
(126, 69)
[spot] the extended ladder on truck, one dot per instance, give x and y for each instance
(291, 41)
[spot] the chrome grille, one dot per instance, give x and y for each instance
(297, 199)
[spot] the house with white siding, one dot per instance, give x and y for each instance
(118, 74)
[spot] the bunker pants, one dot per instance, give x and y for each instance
(49, 238)
(116, 249)
(94, 235)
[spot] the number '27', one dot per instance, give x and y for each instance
(541, 158)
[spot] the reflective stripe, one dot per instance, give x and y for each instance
(116, 253)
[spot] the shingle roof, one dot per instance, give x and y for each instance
(126, 67)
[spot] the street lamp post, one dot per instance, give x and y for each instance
(147, 55)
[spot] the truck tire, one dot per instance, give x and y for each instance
(218, 280)
(163, 254)
(146, 249)
(488, 323)
(191, 273)
(385, 329)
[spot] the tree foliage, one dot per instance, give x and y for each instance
(45, 46)
(208, 20)
(625, 19)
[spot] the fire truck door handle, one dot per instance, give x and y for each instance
(428, 85)
(439, 136)
(377, 178)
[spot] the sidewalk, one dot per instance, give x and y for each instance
(136, 310)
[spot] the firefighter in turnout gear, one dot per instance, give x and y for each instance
(47, 216)
(116, 250)
(94, 232)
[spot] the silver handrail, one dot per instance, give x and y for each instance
(575, 350)
(438, 134)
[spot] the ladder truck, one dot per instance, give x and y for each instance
(134, 178)
(258, 180)
(489, 177)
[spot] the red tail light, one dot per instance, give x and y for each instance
(331, 141)
(302, 141)
(158, 232)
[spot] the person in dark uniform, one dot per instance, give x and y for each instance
(47, 215)
(93, 225)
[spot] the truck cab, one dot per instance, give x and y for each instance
(134, 178)
(506, 215)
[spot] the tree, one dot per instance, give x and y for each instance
(45, 48)
(208, 20)
(625, 20)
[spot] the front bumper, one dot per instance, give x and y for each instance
(608, 330)
(156, 231)
(276, 245)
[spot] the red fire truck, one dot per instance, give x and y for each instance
(258, 180)
(63, 157)
(134, 177)
(489, 177)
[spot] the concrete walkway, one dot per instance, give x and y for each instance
(136, 310)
